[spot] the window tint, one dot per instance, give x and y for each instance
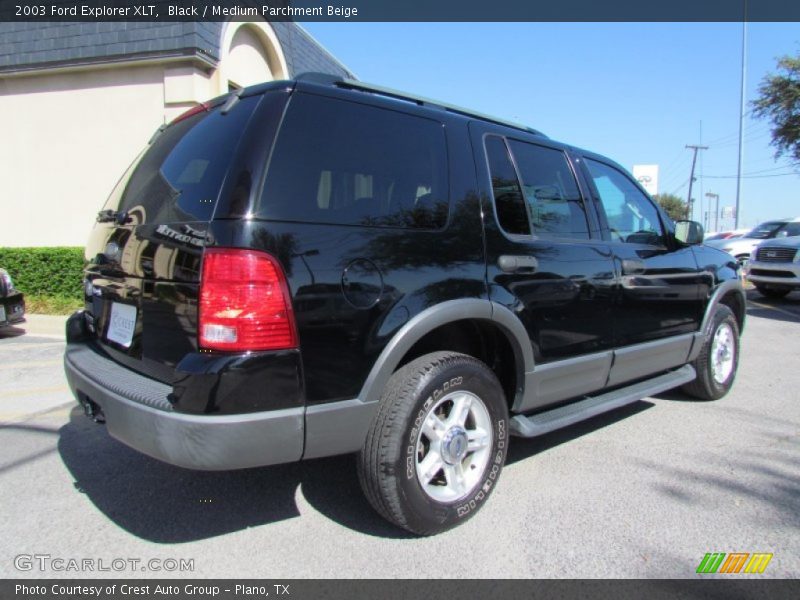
(765, 230)
(508, 199)
(342, 162)
(551, 192)
(178, 177)
(630, 214)
(791, 230)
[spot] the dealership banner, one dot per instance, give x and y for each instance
(394, 10)
(402, 589)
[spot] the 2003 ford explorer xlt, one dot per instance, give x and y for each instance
(318, 266)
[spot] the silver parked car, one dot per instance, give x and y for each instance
(775, 267)
(743, 247)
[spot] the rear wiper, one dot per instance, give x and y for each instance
(120, 217)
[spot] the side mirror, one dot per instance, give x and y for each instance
(689, 232)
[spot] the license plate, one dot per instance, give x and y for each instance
(121, 324)
(2, 313)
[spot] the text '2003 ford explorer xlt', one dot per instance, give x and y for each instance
(316, 267)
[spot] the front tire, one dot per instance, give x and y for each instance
(437, 446)
(719, 358)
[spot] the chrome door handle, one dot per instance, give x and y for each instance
(516, 264)
(632, 266)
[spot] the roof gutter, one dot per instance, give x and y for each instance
(198, 58)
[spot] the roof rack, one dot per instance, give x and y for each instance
(352, 84)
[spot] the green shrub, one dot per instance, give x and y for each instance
(48, 272)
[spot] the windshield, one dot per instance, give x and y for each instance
(766, 230)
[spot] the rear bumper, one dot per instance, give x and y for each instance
(13, 310)
(139, 414)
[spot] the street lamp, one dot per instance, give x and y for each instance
(711, 195)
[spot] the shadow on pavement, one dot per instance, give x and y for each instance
(12, 331)
(521, 448)
(778, 309)
(165, 504)
(765, 480)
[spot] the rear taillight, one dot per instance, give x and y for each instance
(244, 302)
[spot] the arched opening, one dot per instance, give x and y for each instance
(251, 53)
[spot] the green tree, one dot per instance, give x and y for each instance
(674, 205)
(779, 101)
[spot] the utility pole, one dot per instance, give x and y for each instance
(741, 119)
(691, 178)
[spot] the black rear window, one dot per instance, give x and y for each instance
(346, 163)
(178, 177)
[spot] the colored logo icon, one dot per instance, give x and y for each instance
(734, 562)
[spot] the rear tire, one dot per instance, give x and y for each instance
(719, 358)
(435, 450)
(772, 292)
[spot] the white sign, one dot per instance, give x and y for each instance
(647, 176)
(728, 212)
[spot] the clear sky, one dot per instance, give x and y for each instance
(636, 92)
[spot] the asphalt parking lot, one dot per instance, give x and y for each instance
(644, 491)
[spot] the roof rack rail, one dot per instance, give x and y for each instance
(352, 84)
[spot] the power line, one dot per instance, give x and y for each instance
(733, 136)
(752, 176)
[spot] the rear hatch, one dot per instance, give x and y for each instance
(144, 253)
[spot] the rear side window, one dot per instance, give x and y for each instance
(509, 204)
(345, 163)
(179, 176)
(551, 192)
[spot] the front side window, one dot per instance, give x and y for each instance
(631, 216)
(791, 229)
(765, 230)
(344, 163)
(551, 192)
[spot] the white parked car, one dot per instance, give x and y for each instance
(743, 247)
(775, 267)
(725, 235)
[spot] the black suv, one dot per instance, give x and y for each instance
(316, 267)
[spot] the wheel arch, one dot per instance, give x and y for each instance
(465, 320)
(731, 294)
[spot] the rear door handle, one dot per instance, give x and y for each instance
(515, 264)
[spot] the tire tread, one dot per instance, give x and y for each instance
(396, 406)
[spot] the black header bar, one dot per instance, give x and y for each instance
(402, 10)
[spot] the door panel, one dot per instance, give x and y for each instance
(545, 259)
(659, 292)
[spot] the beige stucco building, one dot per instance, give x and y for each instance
(78, 101)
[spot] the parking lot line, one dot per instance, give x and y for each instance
(775, 308)
(10, 418)
(10, 345)
(33, 391)
(30, 363)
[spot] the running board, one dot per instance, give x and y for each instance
(548, 421)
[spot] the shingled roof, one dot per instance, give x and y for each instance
(35, 46)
